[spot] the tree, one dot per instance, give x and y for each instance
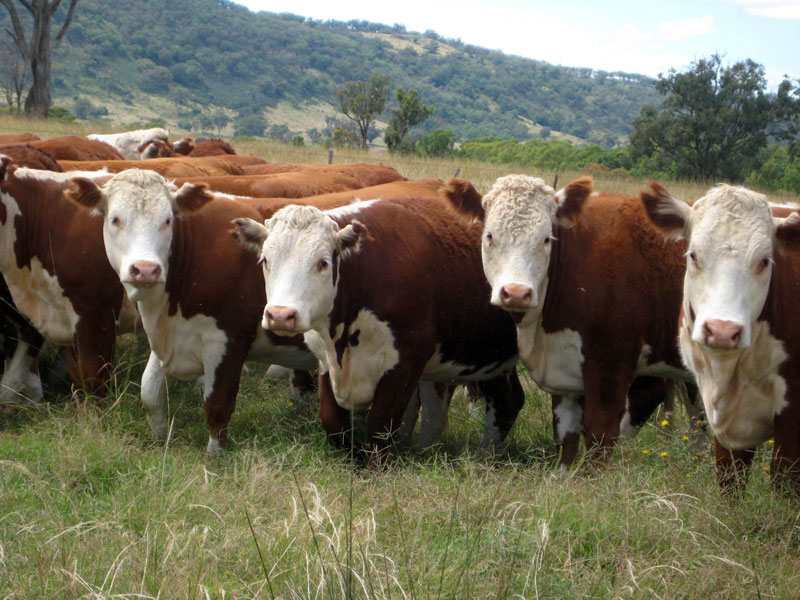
(411, 112)
(437, 143)
(12, 74)
(253, 125)
(219, 119)
(362, 101)
(713, 122)
(38, 50)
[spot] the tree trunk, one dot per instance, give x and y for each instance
(37, 104)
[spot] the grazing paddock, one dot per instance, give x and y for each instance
(92, 507)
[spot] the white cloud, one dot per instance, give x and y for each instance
(686, 28)
(773, 9)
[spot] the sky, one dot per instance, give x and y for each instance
(635, 36)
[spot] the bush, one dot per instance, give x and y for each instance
(252, 125)
(437, 143)
(298, 141)
(61, 114)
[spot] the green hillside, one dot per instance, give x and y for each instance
(178, 59)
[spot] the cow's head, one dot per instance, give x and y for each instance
(301, 248)
(183, 146)
(155, 148)
(732, 237)
(519, 214)
(138, 208)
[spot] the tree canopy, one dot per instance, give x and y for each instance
(713, 122)
(410, 113)
(363, 101)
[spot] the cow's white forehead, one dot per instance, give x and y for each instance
(518, 203)
(309, 220)
(735, 217)
(143, 191)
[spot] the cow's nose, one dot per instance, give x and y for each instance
(144, 272)
(516, 296)
(725, 335)
(282, 318)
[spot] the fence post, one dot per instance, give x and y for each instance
(458, 170)
(555, 182)
(330, 156)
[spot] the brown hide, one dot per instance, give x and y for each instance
(367, 175)
(33, 158)
(298, 184)
(72, 147)
(169, 167)
(419, 188)
(69, 244)
(213, 147)
(18, 138)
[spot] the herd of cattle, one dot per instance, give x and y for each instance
(397, 290)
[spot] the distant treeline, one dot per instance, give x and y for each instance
(779, 170)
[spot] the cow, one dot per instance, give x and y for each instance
(297, 184)
(33, 158)
(212, 147)
(594, 290)
(130, 144)
(199, 295)
(156, 148)
(168, 167)
(52, 258)
(367, 175)
(71, 147)
(387, 292)
(738, 329)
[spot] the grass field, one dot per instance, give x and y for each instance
(91, 507)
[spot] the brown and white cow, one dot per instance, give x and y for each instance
(739, 333)
(594, 290)
(52, 257)
(183, 166)
(33, 158)
(71, 147)
(367, 175)
(198, 293)
(387, 292)
(295, 184)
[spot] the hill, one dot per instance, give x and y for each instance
(180, 59)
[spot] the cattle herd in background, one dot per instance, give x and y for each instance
(395, 290)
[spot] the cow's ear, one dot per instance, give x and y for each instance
(462, 197)
(350, 237)
(86, 193)
(569, 200)
(190, 197)
(250, 234)
(787, 232)
(669, 214)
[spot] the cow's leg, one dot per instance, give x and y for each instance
(89, 360)
(335, 419)
(644, 397)
(154, 397)
(405, 433)
(392, 395)
(605, 387)
(435, 400)
(504, 399)
(221, 382)
(733, 466)
(21, 382)
(567, 427)
(303, 385)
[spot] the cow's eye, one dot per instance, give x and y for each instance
(547, 241)
(168, 222)
(763, 264)
(693, 256)
(489, 239)
(115, 221)
(322, 264)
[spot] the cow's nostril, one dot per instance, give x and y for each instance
(134, 270)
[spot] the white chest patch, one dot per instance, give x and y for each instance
(186, 348)
(362, 364)
(446, 371)
(39, 297)
(554, 360)
(742, 391)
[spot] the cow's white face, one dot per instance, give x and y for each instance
(139, 209)
(732, 237)
(517, 240)
(728, 266)
(301, 248)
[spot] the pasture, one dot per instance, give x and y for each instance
(92, 507)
